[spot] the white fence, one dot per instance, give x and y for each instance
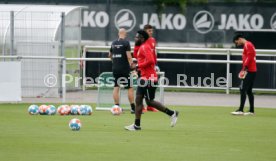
(35, 33)
(10, 82)
(162, 50)
(193, 51)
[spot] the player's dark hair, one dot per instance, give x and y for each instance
(148, 26)
(237, 36)
(144, 34)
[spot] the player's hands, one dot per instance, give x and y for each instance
(157, 69)
(133, 66)
(242, 74)
(134, 74)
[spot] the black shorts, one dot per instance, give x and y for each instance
(146, 88)
(123, 79)
(248, 82)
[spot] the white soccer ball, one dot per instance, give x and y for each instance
(43, 109)
(116, 110)
(33, 110)
(85, 110)
(51, 110)
(75, 109)
(75, 124)
(63, 110)
(89, 110)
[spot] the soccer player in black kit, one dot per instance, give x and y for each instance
(120, 54)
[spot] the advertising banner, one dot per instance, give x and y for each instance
(210, 23)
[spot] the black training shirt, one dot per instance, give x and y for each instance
(118, 52)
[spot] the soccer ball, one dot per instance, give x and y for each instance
(63, 110)
(75, 124)
(89, 110)
(43, 109)
(51, 110)
(74, 109)
(85, 110)
(82, 110)
(116, 110)
(33, 110)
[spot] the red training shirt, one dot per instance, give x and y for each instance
(152, 44)
(146, 63)
(249, 57)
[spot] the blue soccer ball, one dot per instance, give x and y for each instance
(33, 110)
(75, 124)
(85, 110)
(74, 109)
(82, 110)
(51, 110)
(89, 110)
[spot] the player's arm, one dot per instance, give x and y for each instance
(135, 51)
(250, 56)
(110, 53)
(129, 57)
(157, 69)
(154, 51)
(128, 53)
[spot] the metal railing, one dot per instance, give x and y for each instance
(161, 50)
(194, 51)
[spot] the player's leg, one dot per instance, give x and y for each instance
(151, 108)
(116, 90)
(250, 94)
(150, 95)
(243, 89)
(129, 87)
(116, 95)
(138, 112)
(138, 109)
(131, 99)
(140, 92)
(130, 95)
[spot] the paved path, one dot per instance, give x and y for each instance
(171, 98)
(212, 99)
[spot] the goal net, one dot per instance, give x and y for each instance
(105, 92)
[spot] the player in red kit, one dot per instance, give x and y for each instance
(247, 74)
(152, 44)
(147, 82)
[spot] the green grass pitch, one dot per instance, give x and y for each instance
(201, 134)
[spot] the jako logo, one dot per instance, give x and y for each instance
(125, 18)
(203, 22)
(273, 21)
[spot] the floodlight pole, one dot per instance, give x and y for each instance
(63, 66)
(12, 33)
